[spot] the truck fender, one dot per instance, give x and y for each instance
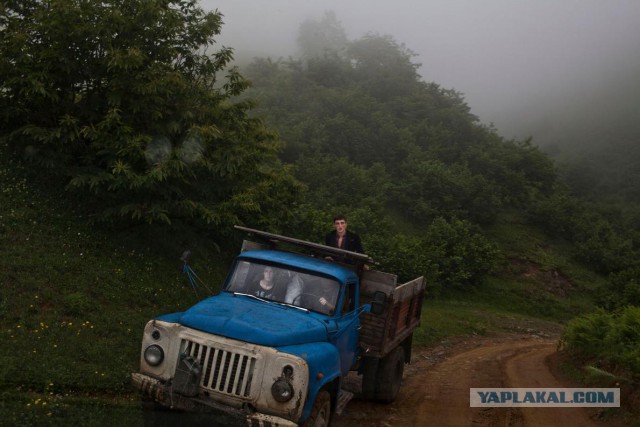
(323, 360)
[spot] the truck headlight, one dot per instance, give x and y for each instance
(281, 390)
(154, 355)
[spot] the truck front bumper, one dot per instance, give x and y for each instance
(160, 393)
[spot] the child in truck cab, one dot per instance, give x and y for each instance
(266, 286)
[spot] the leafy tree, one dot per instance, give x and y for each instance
(428, 189)
(601, 246)
(334, 182)
(124, 99)
(462, 254)
(322, 38)
(450, 254)
(383, 67)
(520, 170)
(623, 289)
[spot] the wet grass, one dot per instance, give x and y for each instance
(73, 303)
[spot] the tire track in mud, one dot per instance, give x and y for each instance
(436, 393)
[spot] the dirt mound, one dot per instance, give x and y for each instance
(553, 281)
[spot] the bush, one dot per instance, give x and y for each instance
(585, 335)
(450, 254)
(622, 343)
(611, 340)
(461, 254)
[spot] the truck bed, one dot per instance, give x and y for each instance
(382, 333)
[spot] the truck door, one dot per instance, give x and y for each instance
(348, 323)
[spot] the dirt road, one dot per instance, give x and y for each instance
(435, 389)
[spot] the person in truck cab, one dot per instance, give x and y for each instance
(294, 287)
(266, 286)
(325, 294)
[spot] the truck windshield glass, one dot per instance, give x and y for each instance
(280, 284)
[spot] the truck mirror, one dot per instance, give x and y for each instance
(378, 302)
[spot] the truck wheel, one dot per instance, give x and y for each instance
(321, 411)
(369, 377)
(390, 376)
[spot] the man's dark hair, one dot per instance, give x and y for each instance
(338, 217)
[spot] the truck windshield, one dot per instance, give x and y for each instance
(283, 285)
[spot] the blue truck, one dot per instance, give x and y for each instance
(279, 356)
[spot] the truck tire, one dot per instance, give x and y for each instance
(321, 411)
(390, 376)
(369, 377)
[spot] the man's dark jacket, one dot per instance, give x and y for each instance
(351, 241)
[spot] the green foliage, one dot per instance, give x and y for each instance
(585, 335)
(601, 240)
(611, 339)
(623, 340)
(75, 298)
(428, 189)
(608, 168)
(450, 254)
(520, 171)
(76, 304)
(125, 101)
(600, 245)
(383, 67)
(462, 255)
(322, 38)
(366, 134)
(335, 182)
(367, 106)
(623, 289)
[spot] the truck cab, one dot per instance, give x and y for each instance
(273, 346)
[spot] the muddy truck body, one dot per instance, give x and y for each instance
(280, 360)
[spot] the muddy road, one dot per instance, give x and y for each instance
(435, 389)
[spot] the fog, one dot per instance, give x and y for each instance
(541, 68)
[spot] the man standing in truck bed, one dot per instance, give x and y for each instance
(342, 238)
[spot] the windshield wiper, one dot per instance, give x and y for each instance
(268, 300)
(251, 296)
(292, 306)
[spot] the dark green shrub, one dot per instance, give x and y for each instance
(622, 342)
(450, 254)
(461, 254)
(611, 340)
(585, 335)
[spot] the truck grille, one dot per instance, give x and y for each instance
(223, 371)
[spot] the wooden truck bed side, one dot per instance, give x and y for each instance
(382, 333)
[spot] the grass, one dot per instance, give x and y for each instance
(75, 298)
(73, 303)
(447, 318)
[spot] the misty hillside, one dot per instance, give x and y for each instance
(563, 75)
(592, 131)
(139, 143)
